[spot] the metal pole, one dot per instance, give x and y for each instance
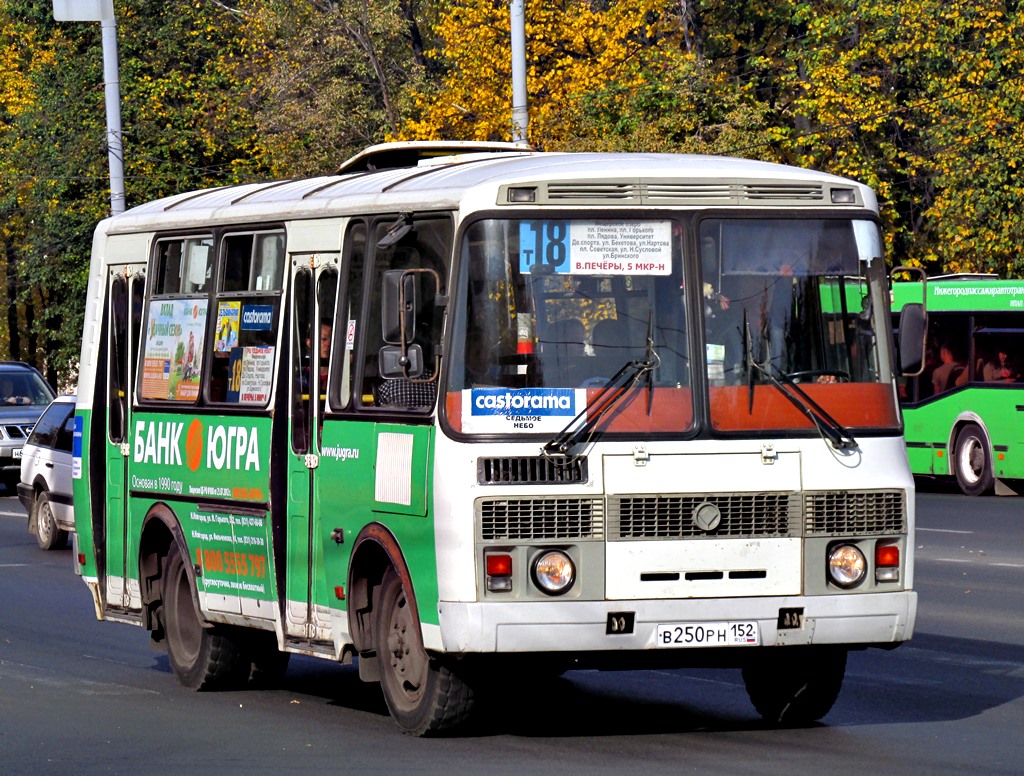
(112, 92)
(520, 113)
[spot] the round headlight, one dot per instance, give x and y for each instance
(847, 565)
(553, 572)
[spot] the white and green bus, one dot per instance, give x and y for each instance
(964, 411)
(464, 418)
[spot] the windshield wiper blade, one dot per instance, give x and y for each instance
(837, 434)
(610, 395)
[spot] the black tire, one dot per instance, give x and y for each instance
(203, 658)
(972, 462)
(424, 694)
(48, 535)
(268, 663)
(10, 482)
(795, 686)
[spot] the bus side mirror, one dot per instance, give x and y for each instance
(401, 317)
(913, 334)
(398, 307)
(394, 361)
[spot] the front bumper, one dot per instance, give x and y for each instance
(880, 619)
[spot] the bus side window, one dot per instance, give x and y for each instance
(247, 314)
(350, 305)
(427, 247)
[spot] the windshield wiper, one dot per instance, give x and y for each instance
(831, 429)
(622, 381)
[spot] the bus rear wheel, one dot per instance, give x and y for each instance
(202, 658)
(972, 462)
(424, 694)
(795, 686)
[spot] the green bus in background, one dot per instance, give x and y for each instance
(964, 412)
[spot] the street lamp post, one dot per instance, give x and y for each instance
(520, 110)
(102, 11)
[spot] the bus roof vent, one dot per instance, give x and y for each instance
(530, 470)
(662, 192)
(622, 191)
(690, 192)
(787, 191)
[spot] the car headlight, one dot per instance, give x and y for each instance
(554, 572)
(847, 565)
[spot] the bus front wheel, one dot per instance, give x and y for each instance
(972, 462)
(795, 686)
(423, 693)
(202, 658)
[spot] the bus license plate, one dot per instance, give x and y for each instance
(708, 634)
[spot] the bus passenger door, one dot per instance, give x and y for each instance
(313, 298)
(125, 289)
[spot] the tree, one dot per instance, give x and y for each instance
(327, 79)
(574, 48)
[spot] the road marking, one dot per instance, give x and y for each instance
(12, 565)
(942, 530)
(1009, 565)
(954, 560)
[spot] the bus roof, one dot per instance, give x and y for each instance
(480, 180)
(963, 295)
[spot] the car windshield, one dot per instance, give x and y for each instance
(24, 388)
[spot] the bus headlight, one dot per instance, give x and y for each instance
(554, 572)
(847, 565)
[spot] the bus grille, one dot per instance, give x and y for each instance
(540, 518)
(845, 513)
(762, 515)
(530, 469)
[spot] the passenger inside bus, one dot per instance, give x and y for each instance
(951, 371)
(1000, 369)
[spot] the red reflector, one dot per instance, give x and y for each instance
(499, 565)
(524, 347)
(81, 559)
(339, 592)
(887, 555)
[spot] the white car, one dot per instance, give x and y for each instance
(45, 487)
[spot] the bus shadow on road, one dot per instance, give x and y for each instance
(933, 678)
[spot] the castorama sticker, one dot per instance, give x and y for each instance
(520, 411)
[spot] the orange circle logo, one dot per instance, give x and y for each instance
(194, 445)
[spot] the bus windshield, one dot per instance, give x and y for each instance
(794, 301)
(554, 310)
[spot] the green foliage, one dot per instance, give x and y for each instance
(923, 100)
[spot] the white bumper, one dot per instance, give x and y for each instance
(582, 626)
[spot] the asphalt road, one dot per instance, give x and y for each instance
(80, 696)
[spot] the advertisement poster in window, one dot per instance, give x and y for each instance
(173, 359)
(228, 316)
